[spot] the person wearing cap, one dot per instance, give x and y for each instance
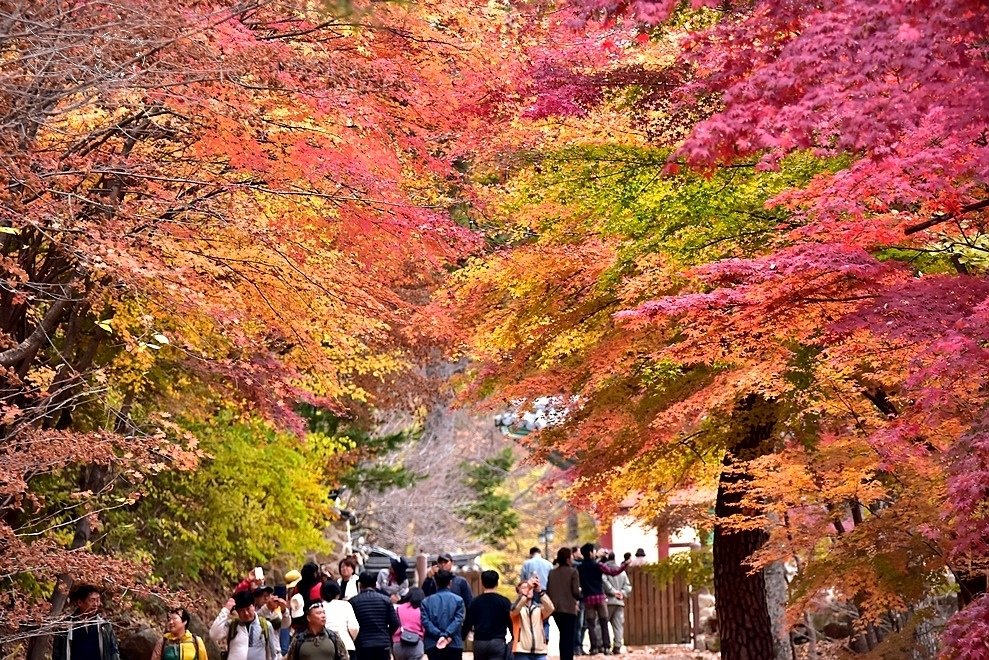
(273, 608)
(459, 586)
(443, 618)
(377, 620)
(292, 579)
(270, 606)
(317, 641)
(248, 636)
(394, 580)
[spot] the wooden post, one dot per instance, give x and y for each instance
(422, 560)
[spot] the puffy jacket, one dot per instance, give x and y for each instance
(527, 624)
(189, 647)
(615, 584)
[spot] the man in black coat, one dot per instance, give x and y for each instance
(377, 618)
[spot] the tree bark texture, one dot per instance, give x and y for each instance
(746, 627)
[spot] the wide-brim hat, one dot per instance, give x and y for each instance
(292, 578)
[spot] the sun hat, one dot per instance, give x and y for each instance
(292, 578)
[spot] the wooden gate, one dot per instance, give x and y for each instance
(656, 613)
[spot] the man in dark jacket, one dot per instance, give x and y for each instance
(377, 619)
(459, 586)
(592, 574)
(89, 636)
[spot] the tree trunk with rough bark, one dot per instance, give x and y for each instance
(749, 631)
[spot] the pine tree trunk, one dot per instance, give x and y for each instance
(747, 629)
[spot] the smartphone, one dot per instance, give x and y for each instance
(258, 573)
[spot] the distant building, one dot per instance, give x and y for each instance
(626, 533)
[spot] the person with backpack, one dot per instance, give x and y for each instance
(530, 612)
(179, 643)
(88, 636)
(316, 641)
(248, 636)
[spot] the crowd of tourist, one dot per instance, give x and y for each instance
(363, 615)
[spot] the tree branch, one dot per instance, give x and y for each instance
(939, 218)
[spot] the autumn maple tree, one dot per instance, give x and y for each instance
(762, 273)
(214, 214)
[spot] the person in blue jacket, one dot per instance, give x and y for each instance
(442, 618)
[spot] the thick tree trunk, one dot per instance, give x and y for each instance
(748, 630)
(971, 585)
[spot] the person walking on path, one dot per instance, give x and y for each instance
(530, 613)
(340, 617)
(617, 588)
(592, 574)
(178, 642)
(404, 644)
(377, 620)
(536, 565)
(89, 635)
(563, 589)
(443, 617)
(248, 636)
(317, 641)
(490, 618)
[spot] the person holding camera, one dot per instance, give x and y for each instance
(248, 636)
(530, 612)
